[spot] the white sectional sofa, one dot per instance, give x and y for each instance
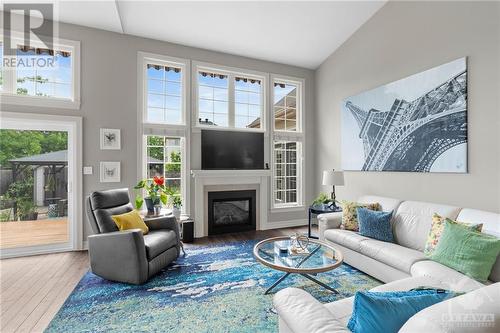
(401, 265)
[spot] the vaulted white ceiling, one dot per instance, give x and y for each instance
(300, 33)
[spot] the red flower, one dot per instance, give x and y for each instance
(159, 181)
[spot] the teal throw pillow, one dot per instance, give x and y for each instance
(375, 224)
(469, 252)
(387, 312)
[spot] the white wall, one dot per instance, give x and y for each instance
(401, 39)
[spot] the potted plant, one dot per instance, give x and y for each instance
(176, 207)
(322, 199)
(157, 193)
(27, 210)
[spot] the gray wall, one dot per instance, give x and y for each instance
(109, 100)
(401, 39)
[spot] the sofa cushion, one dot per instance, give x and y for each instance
(436, 231)
(347, 238)
(467, 251)
(387, 312)
(491, 226)
(376, 225)
(387, 204)
(413, 219)
(341, 310)
(350, 213)
(456, 280)
(158, 241)
(413, 282)
(303, 313)
(477, 311)
(391, 254)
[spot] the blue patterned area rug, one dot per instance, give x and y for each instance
(218, 288)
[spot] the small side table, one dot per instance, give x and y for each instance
(320, 209)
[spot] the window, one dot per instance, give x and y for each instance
(50, 77)
(248, 102)
(286, 176)
(164, 94)
(230, 99)
(287, 142)
(213, 102)
(164, 158)
(285, 106)
(163, 90)
(40, 76)
(164, 134)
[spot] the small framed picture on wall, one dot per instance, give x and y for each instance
(110, 139)
(110, 172)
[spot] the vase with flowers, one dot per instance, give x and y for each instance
(157, 193)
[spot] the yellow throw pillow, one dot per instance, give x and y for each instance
(130, 220)
(437, 228)
(350, 213)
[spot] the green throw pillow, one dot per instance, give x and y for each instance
(467, 251)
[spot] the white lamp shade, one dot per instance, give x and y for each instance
(332, 177)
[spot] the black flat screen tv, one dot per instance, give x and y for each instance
(227, 150)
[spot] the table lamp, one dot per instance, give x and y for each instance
(333, 178)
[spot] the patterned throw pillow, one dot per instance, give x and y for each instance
(350, 214)
(437, 229)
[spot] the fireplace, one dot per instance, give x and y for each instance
(231, 211)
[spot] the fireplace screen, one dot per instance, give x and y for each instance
(231, 211)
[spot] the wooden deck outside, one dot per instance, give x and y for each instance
(29, 233)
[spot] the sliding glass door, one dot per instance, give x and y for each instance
(37, 177)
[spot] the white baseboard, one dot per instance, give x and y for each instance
(85, 245)
(284, 224)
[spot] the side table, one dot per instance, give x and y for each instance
(320, 209)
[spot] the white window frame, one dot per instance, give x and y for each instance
(73, 126)
(299, 107)
(185, 171)
(181, 131)
(183, 64)
(231, 73)
(9, 95)
(297, 136)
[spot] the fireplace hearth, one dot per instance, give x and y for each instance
(231, 211)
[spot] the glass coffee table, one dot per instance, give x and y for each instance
(320, 257)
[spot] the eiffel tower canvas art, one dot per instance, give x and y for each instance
(416, 124)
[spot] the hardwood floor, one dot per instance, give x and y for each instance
(32, 289)
(28, 233)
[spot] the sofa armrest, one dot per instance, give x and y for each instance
(301, 312)
(164, 222)
(328, 221)
(119, 256)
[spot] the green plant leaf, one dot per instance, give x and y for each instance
(138, 201)
(140, 184)
(163, 198)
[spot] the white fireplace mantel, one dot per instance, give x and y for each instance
(237, 178)
(230, 173)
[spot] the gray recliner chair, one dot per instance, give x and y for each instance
(128, 256)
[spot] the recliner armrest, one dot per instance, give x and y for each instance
(328, 221)
(119, 256)
(164, 222)
(301, 312)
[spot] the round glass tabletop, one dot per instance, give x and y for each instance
(317, 257)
